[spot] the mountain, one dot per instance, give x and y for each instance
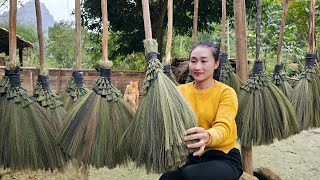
(26, 14)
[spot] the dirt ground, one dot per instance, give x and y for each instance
(296, 158)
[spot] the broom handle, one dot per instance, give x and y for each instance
(223, 26)
(195, 22)
(312, 27)
(78, 34)
(170, 27)
(12, 31)
(40, 34)
(104, 10)
(146, 19)
(283, 22)
(258, 28)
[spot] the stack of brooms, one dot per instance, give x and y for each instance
(305, 96)
(42, 92)
(95, 124)
(27, 134)
(154, 139)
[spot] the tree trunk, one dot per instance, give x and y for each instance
(160, 31)
(258, 28)
(78, 34)
(283, 22)
(312, 27)
(195, 22)
(104, 10)
(242, 67)
(223, 26)
(12, 31)
(170, 27)
(146, 19)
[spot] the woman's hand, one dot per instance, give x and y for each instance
(197, 133)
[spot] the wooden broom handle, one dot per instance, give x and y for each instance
(78, 34)
(312, 27)
(146, 19)
(104, 10)
(283, 22)
(40, 34)
(195, 22)
(12, 31)
(170, 27)
(223, 26)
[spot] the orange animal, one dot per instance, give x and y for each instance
(131, 95)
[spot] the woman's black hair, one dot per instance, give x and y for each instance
(215, 52)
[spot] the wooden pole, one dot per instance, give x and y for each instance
(312, 27)
(170, 27)
(258, 28)
(146, 19)
(223, 26)
(242, 68)
(104, 10)
(78, 34)
(12, 31)
(283, 22)
(195, 22)
(40, 34)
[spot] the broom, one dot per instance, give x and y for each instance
(167, 67)
(305, 96)
(154, 138)
(279, 77)
(97, 121)
(42, 92)
(227, 75)
(27, 139)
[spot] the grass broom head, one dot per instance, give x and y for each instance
(280, 80)
(167, 71)
(48, 99)
(227, 75)
(264, 112)
(154, 138)
(95, 124)
(305, 95)
(27, 133)
(75, 89)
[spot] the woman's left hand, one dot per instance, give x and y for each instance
(197, 133)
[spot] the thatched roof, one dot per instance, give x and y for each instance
(4, 42)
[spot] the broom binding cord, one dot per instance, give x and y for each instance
(223, 58)
(106, 73)
(44, 81)
(257, 68)
(78, 78)
(151, 55)
(310, 60)
(14, 76)
(278, 68)
(167, 69)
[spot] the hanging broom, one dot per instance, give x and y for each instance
(96, 123)
(227, 75)
(154, 138)
(42, 92)
(167, 67)
(305, 96)
(279, 76)
(75, 88)
(27, 134)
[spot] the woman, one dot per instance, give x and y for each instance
(216, 105)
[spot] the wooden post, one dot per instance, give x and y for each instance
(242, 68)
(21, 56)
(195, 22)
(170, 27)
(104, 10)
(223, 26)
(12, 31)
(40, 35)
(312, 27)
(78, 35)
(283, 22)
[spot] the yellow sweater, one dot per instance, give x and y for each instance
(216, 109)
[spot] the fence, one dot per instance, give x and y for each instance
(60, 76)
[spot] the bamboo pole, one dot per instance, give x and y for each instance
(12, 31)
(195, 22)
(78, 34)
(169, 36)
(312, 27)
(146, 19)
(223, 26)
(283, 22)
(242, 68)
(40, 34)
(104, 10)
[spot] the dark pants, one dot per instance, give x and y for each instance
(212, 165)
